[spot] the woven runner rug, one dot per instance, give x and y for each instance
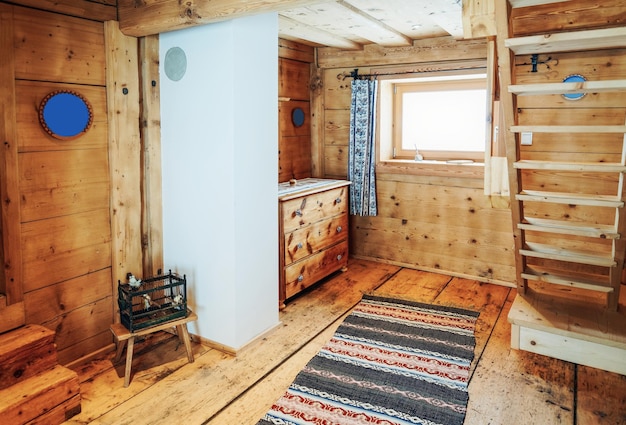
(389, 362)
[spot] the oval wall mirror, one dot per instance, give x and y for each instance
(65, 114)
(297, 117)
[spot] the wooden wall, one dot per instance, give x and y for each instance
(430, 219)
(75, 212)
(64, 224)
(294, 143)
(440, 220)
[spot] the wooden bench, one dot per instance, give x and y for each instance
(121, 334)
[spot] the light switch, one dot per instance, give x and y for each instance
(527, 138)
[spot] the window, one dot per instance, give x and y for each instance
(439, 118)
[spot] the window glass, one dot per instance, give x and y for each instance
(442, 118)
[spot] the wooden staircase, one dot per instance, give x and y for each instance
(566, 153)
(34, 388)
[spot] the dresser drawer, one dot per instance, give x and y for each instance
(304, 273)
(301, 212)
(309, 240)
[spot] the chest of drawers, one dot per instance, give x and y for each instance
(313, 238)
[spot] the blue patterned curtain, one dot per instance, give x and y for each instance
(361, 160)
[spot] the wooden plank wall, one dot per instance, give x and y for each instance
(294, 143)
(430, 220)
(87, 210)
(63, 223)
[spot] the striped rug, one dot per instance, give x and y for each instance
(389, 362)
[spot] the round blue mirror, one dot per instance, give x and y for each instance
(65, 114)
(575, 78)
(297, 117)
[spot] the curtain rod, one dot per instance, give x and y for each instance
(355, 73)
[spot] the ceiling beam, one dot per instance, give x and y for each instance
(139, 18)
(399, 39)
(445, 13)
(298, 31)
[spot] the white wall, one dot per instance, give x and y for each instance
(219, 129)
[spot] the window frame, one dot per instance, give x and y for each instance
(465, 81)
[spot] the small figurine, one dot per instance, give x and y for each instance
(133, 281)
(177, 301)
(147, 301)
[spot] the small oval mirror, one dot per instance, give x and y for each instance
(297, 117)
(65, 114)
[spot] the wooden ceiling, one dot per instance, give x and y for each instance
(343, 24)
(350, 24)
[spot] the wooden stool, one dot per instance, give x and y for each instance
(121, 334)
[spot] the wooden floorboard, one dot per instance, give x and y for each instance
(516, 387)
(506, 386)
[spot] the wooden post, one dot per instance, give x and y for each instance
(11, 284)
(316, 87)
(122, 81)
(152, 201)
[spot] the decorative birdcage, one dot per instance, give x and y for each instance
(152, 301)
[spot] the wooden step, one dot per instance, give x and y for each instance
(527, 3)
(25, 352)
(603, 231)
(570, 198)
(551, 252)
(605, 38)
(600, 167)
(618, 129)
(564, 88)
(569, 330)
(49, 397)
(562, 277)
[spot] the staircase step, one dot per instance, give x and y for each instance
(551, 252)
(569, 129)
(569, 330)
(48, 397)
(603, 231)
(562, 277)
(605, 38)
(600, 167)
(528, 3)
(570, 198)
(564, 88)
(25, 352)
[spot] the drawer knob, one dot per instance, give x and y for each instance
(299, 246)
(299, 213)
(339, 257)
(339, 229)
(338, 201)
(300, 278)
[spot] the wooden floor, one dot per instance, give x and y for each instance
(506, 386)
